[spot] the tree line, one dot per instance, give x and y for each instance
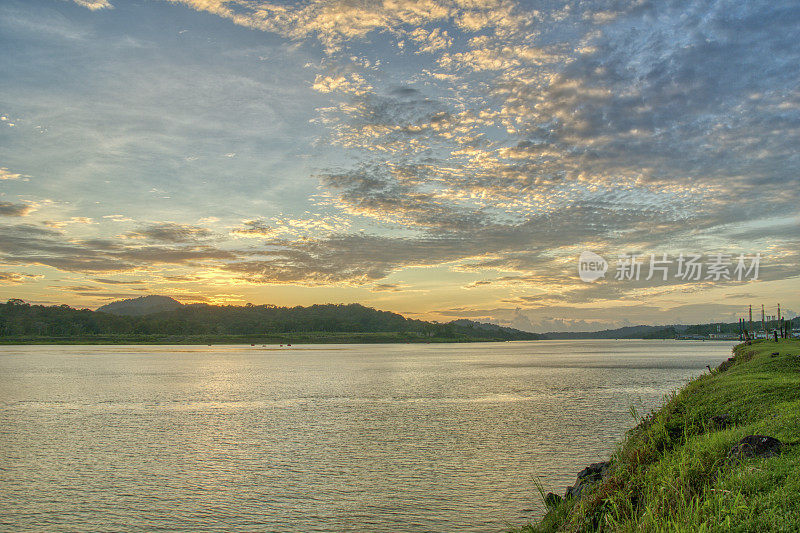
(21, 319)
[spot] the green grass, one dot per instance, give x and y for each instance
(672, 473)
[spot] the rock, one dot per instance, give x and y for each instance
(595, 471)
(586, 477)
(576, 491)
(755, 446)
(720, 421)
(572, 492)
(552, 500)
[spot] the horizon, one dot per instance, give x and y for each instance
(343, 303)
(496, 161)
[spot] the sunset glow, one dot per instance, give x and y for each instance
(437, 158)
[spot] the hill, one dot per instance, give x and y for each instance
(202, 323)
(627, 332)
(665, 332)
(480, 327)
(144, 305)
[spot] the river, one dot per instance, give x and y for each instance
(333, 438)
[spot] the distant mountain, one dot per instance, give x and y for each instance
(161, 316)
(495, 328)
(160, 319)
(144, 305)
(627, 332)
(663, 332)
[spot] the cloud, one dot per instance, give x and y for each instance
(6, 174)
(94, 5)
(118, 281)
(394, 288)
(15, 277)
(33, 245)
(593, 318)
(387, 287)
(99, 293)
(502, 140)
(343, 258)
(118, 218)
(336, 22)
(631, 138)
(254, 228)
(170, 232)
(315, 225)
(64, 223)
(351, 83)
(10, 209)
(544, 129)
(431, 41)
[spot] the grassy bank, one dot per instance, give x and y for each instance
(673, 471)
(286, 338)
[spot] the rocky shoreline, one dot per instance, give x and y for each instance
(690, 465)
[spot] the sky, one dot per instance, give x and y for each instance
(443, 159)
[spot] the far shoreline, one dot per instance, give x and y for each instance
(243, 340)
(299, 339)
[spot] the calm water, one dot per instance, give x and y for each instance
(391, 438)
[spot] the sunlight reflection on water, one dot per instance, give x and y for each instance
(315, 438)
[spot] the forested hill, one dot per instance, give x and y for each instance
(627, 332)
(258, 323)
(665, 332)
(144, 305)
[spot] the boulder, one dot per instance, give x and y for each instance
(755, 446)
(552, 500)
(586, 477)
(595, 471)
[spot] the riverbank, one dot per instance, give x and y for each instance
(690, 467)
(389, 337)
(287, 338)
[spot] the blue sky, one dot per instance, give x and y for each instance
(439, 158)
